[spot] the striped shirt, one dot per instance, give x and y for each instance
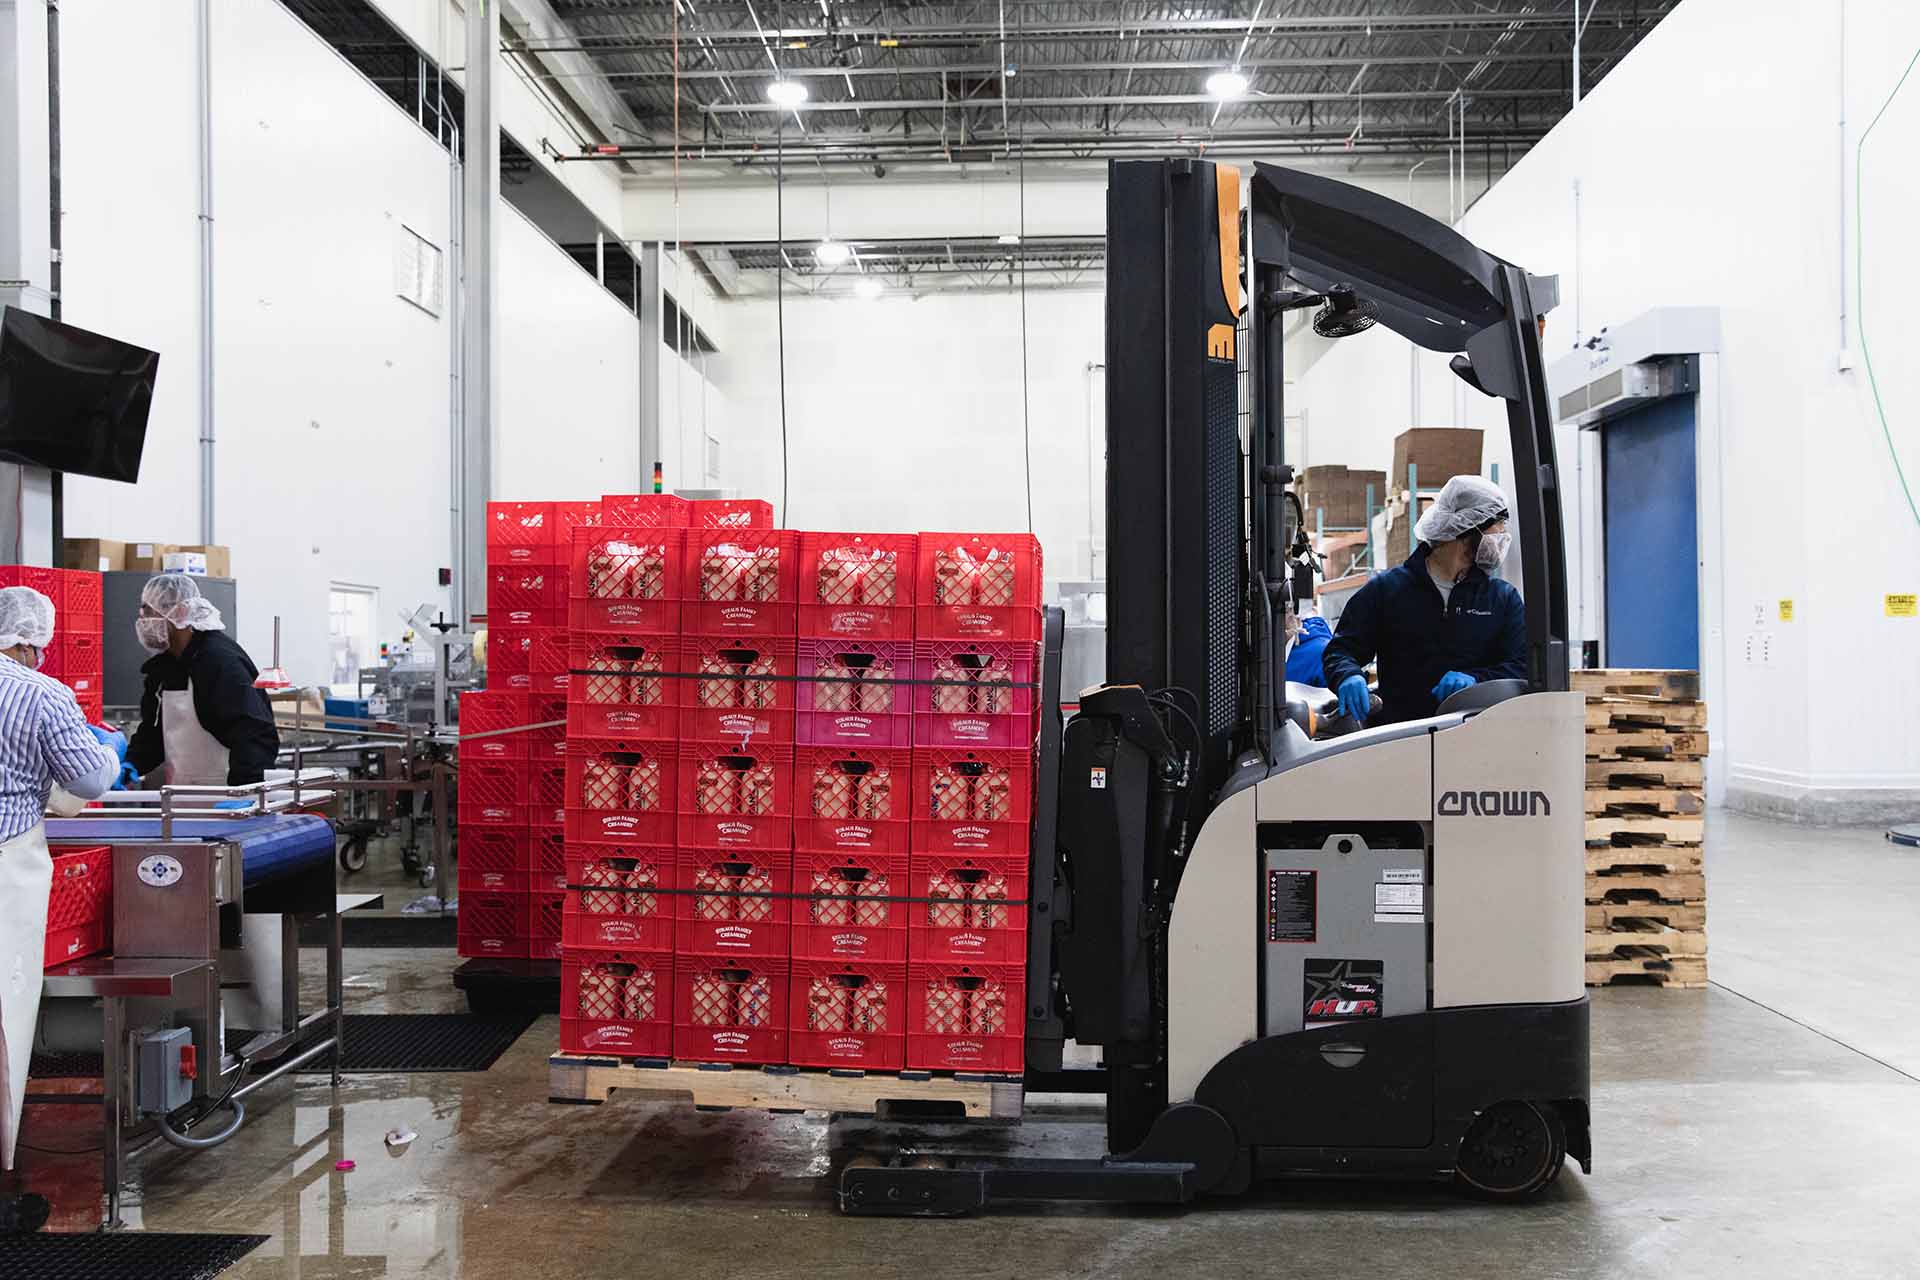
(43, 740)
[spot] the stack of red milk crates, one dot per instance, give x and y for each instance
(512, 867)
(80, 902)
(763, 766)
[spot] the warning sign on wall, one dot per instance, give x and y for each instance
(1903, 606)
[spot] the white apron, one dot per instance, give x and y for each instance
(199, 760)
(26, 877)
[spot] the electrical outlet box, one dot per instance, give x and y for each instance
(165, 1083)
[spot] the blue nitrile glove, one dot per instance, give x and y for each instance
(129, 779)
(233, 804)
(1452, 683)
(1355, 699)
(110, 738)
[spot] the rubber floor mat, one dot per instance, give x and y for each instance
(121, 1255)
(424, 1042)
(88, 1066)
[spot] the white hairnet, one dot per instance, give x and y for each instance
(1464, 504)
(26, 617)
(176, 597)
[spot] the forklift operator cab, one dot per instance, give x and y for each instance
(1300, 947)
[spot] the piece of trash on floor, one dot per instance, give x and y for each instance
(343, 1166)
(398, 1140)
(429, 904)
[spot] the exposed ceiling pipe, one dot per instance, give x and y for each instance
(203, 60)
(813, 107)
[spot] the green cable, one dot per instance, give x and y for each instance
(1860, 280)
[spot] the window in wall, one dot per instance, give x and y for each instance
(419, 274)
(350, 643)
(712, 461)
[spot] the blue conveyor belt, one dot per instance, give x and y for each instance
(271, 845)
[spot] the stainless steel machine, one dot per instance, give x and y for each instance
(1298, 951)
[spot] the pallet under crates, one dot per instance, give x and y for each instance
(1645, 818)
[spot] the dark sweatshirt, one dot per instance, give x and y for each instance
(235, 713)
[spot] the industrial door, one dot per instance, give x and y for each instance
(1652, 542)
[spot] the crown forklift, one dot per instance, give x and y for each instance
(1302, 947)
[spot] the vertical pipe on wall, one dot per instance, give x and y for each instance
(480, 189)
(1842, 61)
(203, 58)
(56, 485)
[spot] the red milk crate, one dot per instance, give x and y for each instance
(626, 580)
(736, 799)
(853, 799)
(740, 582)
(617, 1003)
(547, 871)
(968, 910)
(547, 745)
(854, 694)
(547, 794)
(485, 711)
(492, 860)
(493, 924)
(850, 1014)
(46, 581)
(730, 1010)
(732, 513)
(645, 511)
(82, 595)
(492, 793)
(531, 588)
(973, 694)
(739, 690)
(509, 659)
(549, 661)
(966, 1018)
(971, 801)
(544, 912)
(568, 516)
(79, 903)
(621, 791)
(626, 687)
(93, 706)
(80, 653)
(520, 533)
(857, 586)
(978, 586)
(733, 902)
(850, 906)
(610, 901)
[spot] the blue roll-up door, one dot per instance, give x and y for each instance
(1652, 538)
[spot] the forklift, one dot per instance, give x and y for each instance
(1302, 947)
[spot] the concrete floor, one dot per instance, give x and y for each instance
(1763, 1127)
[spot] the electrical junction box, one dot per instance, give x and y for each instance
(164, 1086)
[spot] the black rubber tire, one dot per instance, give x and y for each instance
(353, 856)
(1513, 1151)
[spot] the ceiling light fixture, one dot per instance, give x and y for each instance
(1009, 238)
(867, 287)
(1227, 84)
(786, 93)
(831, 253)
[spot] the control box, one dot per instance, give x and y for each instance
(168, 1067)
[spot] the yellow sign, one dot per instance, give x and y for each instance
(1903, 606)
(1786, 611)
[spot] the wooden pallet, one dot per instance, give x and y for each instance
(1668, 860)
(1679, 685)
(1608, 802)
(1606, 944)
(1674, 915)
(1647, 886)
(1655, 966)
(577, 1078)
(1646, 773)
(1636, 713)
(1645, 744)
(1640, 830)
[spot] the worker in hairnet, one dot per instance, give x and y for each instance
(44, 743)
(200, 715)
(1440, 622)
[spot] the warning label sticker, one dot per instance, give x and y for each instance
(1292, 906)
(1403, 875)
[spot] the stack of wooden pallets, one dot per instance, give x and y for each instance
(1646, 881)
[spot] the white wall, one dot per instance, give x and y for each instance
(332, 394)
(569, 416)
(904, 414)
(1710, 172)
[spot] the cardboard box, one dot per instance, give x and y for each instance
(189, 562)
(1341, 493)
(147, 557)
(1440, 453)
(219, 559)
(93, 555)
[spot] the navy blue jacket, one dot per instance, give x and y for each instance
(1397, 617)
(1304, 659)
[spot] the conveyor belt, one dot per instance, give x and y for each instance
(271, 846)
